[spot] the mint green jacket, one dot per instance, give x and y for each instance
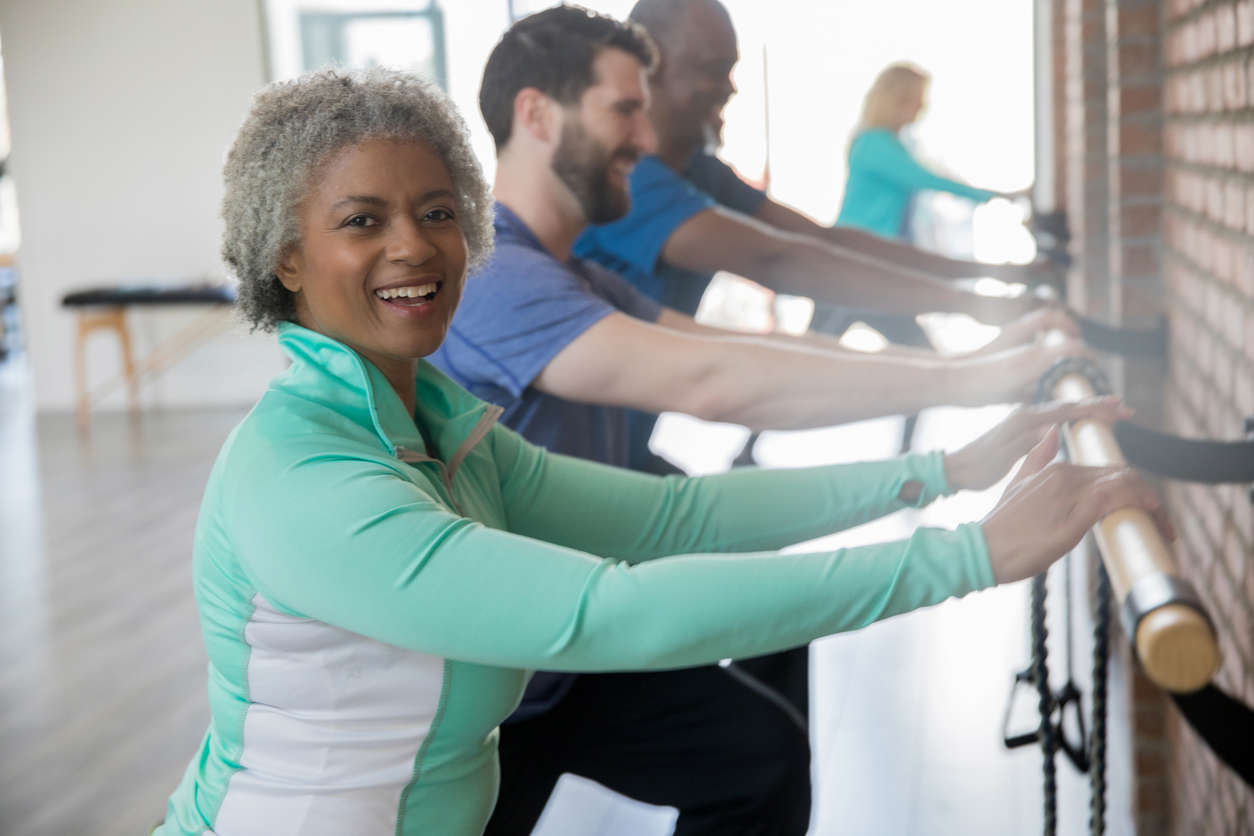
(374, 589)
(883, 177)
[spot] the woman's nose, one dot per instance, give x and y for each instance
(408, 243)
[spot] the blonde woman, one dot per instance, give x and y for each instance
(883, 174)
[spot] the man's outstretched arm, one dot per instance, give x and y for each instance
(788, 219)
(720, 239)
(623, 361)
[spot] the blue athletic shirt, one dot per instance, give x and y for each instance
(662, 200)
(517, 313)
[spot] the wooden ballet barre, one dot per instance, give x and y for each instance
(1168, 625)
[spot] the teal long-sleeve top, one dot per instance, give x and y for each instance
(376, 586)
(883, 177)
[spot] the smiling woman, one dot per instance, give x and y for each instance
(379, 566)
(300, 130)
(381, 256)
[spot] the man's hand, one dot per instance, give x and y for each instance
(1008, 376)
(982, 462)
(1048, 507)
(1029, 327)
(1003, 310)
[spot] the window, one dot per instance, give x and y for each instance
(306, 35)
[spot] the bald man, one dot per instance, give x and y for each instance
(692, 215)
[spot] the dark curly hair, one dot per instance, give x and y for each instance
(553, 52)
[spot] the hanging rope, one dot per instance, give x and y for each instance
(1097, 743)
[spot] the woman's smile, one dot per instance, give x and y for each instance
(413, 297)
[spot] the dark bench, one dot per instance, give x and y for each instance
(105, 307)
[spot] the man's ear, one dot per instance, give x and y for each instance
(289, 269)
(537, 114)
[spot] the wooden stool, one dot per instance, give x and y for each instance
(113, 319)
(105, 308)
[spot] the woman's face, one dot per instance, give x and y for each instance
(913, 99)
(381, 259)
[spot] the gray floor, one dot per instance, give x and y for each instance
(102, 670)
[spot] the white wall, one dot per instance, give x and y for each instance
(121, 113)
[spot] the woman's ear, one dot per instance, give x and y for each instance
(535, 113)
(288, 270)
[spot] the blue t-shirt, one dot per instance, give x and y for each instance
(662, 199)
(517, 313)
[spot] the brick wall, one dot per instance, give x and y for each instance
(1208, 240)
(1158, 123)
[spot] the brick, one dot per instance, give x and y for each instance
(1139, 260)
(1234, 205)
(1243, 525)
(1197, 97)
(1140, 301)
(1225, 27)
(1137, 60)
(1234, 324)
(1139, 135)
(1244, 396)
(1234, 84)
(1243, 280)
(1243, 142)
(1140, 220)
(1214, 88)
(1245, 23)
(1142, 98)
(1215, 199)
(1221, 376)
(1205, 36)
(1225, 153)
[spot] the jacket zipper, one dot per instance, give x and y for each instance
(477, 434)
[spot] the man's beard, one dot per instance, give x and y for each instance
(584, 166)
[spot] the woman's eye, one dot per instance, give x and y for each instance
(438, 215)
(360, 221)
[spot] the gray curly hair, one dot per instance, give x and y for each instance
(293, 129)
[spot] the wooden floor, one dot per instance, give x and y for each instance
(102, 677)
(102, 672)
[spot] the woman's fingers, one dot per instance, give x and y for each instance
(1108, 409)
(1044, 452)
(1119, 488)
(1045, 513)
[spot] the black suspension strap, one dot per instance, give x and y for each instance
(1088, 753)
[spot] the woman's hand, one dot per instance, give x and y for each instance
(982, 462)
(1048, 507)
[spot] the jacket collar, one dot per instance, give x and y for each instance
(331, 374)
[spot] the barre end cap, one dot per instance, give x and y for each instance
(1178, 648)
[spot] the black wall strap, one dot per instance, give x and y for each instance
(1186, 459)
(1225, 724)
(1126, 342)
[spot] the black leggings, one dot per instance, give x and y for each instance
(727, 751)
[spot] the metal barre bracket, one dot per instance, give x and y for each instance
(1158, 590)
